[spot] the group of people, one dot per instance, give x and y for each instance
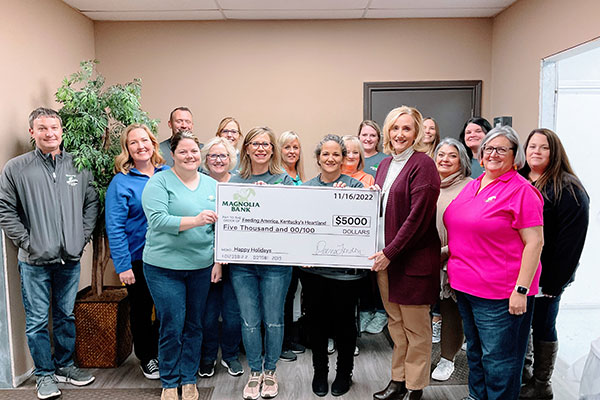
(464, 224)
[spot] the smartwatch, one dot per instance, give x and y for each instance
(521, 289)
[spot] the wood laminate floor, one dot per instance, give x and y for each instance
(371, 373)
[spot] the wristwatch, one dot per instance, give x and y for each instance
(521, 289)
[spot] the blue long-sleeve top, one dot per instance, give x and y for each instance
(126, 223)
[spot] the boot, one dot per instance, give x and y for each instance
(395, 390)
(527, 374)
(344, 366)
(320, 386)
(544, 357)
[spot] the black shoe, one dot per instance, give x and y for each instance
(320, 386)
(288, 355)
(207, 369)
(341, 384)
(297, 348)
(150, 369)
(415, 395)
(395, 390)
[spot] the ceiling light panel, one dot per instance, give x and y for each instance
(293, 4)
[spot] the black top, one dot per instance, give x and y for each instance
(565, 228)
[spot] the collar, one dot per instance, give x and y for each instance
(405, 155)
(505, 177)
(47, 157)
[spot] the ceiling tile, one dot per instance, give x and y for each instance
(154, 16)
(295, 14)
(423, 13)
(142, 5)
(293, 4)
(439, 4)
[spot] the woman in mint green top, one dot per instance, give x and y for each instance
(291, 156)
(178, 258)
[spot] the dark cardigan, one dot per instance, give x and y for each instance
(565, 228)
(412, 242)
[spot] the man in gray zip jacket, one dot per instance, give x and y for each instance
(48, 209)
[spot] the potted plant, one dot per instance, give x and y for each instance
(93, 118)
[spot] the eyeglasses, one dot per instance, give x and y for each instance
(232, 131)
(500, 150)
(220, 157)
(264, 145)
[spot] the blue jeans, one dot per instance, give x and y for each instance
(496, 346)
(221, 302)
(261, 291)
(41, 284)
(544, 319)
(180, 298)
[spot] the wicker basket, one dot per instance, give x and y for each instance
(102, 323)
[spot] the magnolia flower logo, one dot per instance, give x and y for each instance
(244, 194)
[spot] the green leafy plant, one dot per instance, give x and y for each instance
(93, 118)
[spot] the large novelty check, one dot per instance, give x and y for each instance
(296, 225)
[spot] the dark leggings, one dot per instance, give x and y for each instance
(452, 329)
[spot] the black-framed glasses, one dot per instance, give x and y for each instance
(264, 145)
(220, 157)
(500, 150)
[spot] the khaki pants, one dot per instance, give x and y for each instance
(410, 329)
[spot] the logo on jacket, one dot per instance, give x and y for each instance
(491, 198)
(72, 180)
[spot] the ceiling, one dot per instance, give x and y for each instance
(172, 10)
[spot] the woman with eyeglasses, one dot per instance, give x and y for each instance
(219, 159)
(566, 219)
(229, 128)
(471, 136)
(261, 289)
(495, 238)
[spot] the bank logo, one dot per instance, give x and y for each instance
(242, 201)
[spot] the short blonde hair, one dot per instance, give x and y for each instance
(361, 150)
(224, 123)
(391, 119)
(124, 162)
(228, 146)
(286, 137)
(275, 166)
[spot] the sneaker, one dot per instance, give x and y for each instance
(74, 376)
(377, 324)
(207, 369)
(444, 369)
(297, 348)
(234, 367)
(270, 388)
(436, 331)
(150, 369)
(189, 391)
(330, 346)
(365, 318)
(46, 387)
(356, 351)
(169, 394)
(288, 355)
(252, 388)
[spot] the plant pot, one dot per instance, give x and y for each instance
(103, 335)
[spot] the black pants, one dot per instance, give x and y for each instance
(289, 335)
(143, 329)
(331, 307)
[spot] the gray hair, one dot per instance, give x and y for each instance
(330, 138)
(512, 136)
(228, 147)
(43, 112)
(465, 160)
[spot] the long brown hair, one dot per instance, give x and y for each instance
(275, 166)
(558, 172)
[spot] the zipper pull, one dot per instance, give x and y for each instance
(54, 175)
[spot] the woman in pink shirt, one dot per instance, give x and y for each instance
(495, 240)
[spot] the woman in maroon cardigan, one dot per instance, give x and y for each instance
(408, 262)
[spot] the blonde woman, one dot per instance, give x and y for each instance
(126, 230)
(431, 135)
(291, 156)
(261, 289)
(354, 162)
